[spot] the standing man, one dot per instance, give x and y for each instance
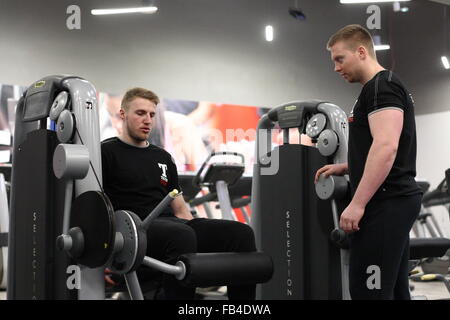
(381, 165)
(137, 175)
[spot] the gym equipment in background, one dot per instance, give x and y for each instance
(430, 249)
(220, 171)
(427, 227)
(423, 249)
(4, 227)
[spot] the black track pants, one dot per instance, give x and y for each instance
(379, 252)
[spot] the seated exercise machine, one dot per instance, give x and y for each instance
(424, 249)
(428, 229)
(64, 231)
(295, 221)
(240, 194)
(431, 253)
(4, 226)
(219, 173)
(425, 221)
(439, 197)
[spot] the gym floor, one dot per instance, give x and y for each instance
(433, 290)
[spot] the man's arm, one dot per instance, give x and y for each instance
(385, 127)
(178, 204)
(180, 208)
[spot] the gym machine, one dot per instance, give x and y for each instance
(218, 173)
(291, 216)
(67, 105)
(427, 228)
(64, 230)
(431, 252)
(4, 226)
(426, 250)
(425, 221)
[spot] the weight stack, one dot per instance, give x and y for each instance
(293, 225)
(37, 270)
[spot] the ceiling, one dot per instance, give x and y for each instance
(447, 2)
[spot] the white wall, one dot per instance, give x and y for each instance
(194, 50)
(433, 156)
(215, 50)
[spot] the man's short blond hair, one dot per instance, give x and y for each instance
(134, 93)
(354, 35)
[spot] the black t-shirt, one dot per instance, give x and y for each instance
(137, 178)
(384, 91)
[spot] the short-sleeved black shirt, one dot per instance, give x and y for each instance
(137, 178)
(384, 91)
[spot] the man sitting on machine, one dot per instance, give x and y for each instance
(138, 175)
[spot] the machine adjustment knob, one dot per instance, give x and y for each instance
(340, 238)
(331, 187)
(73, 242)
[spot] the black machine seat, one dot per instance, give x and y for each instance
(447, 179)
(439, 196)
(189, 190)
(211, 172)
(243, 187)
(421, 248)
(228, 172)
(423, 217)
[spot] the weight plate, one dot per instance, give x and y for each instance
(134, 242)
(93, 213)
(65, 126)
(59, 104)
(316, 125)
(327, 143)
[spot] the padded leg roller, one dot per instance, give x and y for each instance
(219, 269)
